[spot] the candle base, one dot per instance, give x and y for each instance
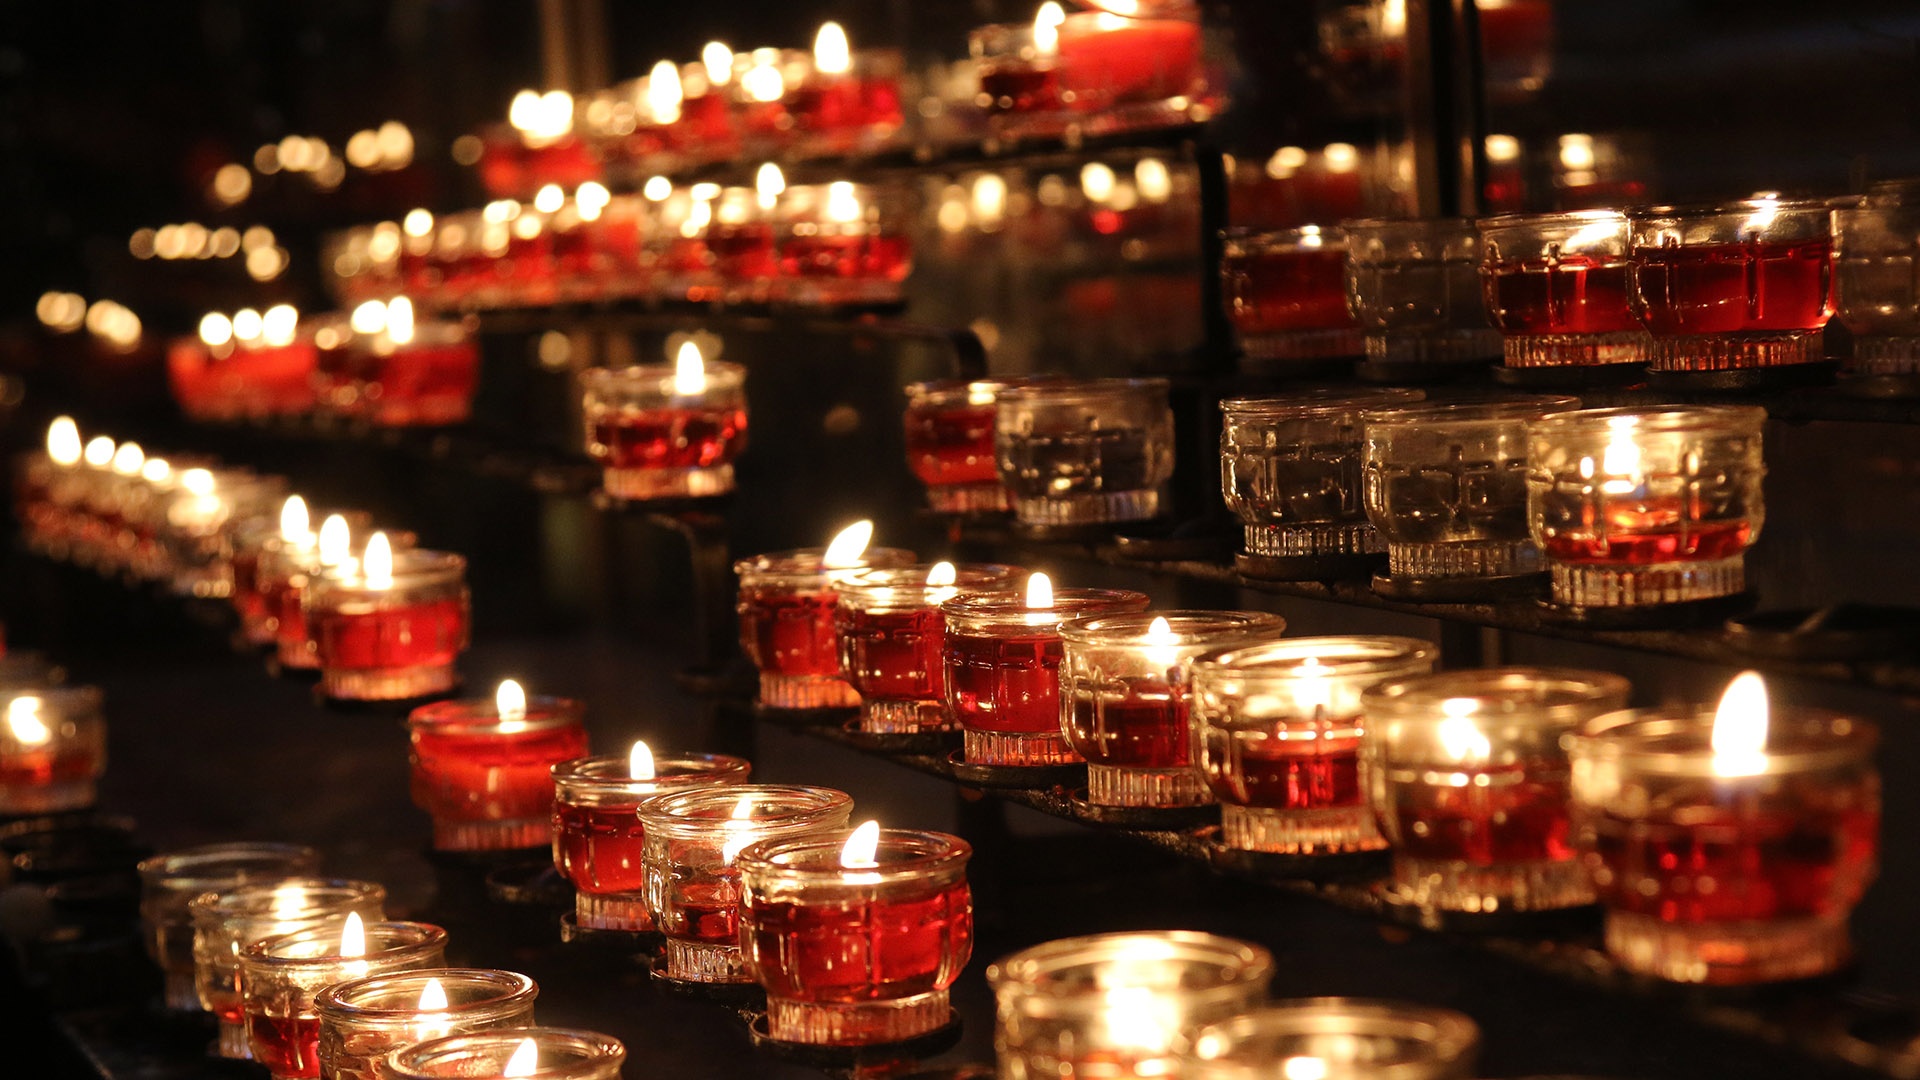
(704, 962)
(1474, 559)
(1089, 509)
(1439, 347)
(1885, 356)
(52, 798)
(179, 994)
(1448, 885)
(1113, 785)
(1577, 350)
(856, 1023)
(612, 911)
(387, 684)
(1727, 954)
(989, 498)
(905, 717)
(688, 483)
(1731, 352)
(1294, 541)
(1300, 832)
(1302, 344)
(1606, 585)
(1010, 748)
(492, 835)
(807, 692)
(232, 1042)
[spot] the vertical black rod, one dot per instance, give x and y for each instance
(1217, 333)
(1471, 158)
(1432, 106)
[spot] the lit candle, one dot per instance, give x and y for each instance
(53, 747)
(390, 628)
(891, 632)
(508, 1052)
(667, 432)
(788, 603)
(483, 769)
(282, 976)
(1334, 1038)
(363, 1019)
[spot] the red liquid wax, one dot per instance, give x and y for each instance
(286, 1045)
(867, 256)
(669, 438)
(417, 635)
(1020, 88)
(1272, 291)
(598, 848)
(893, 655)
(743, 252)
(1136, 60)
(706, 911)
(854, 951)
(951, 445)
(1575, 295)
(844, 104)
(1506, 815)
(789, 633)
(486, 777)
(1651, 543)
(1009, 684)
(1726, 288)
(1144, 729)
(1291, 774)
(34, 768)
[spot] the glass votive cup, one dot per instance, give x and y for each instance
(843, 243)
(199, 525)
(1002, 671)
(363, 1020)
(1711, 878)
(1414, 287)
(1017, 74)
(741, 240)
(1084, 451)
(53, 749)
(1118, 1004)
(599, 843)
(168, 882)
(1876, 289)
(1290, 470)
(392, 640)
(1109, 60)
(1124, 684)
(851, 957)
(1445, 485)
(949, 433)
(226, 923)
(1469, 782)
(560, 1054)
(1557, 287)
(287, 570)
(280, 978)
(1336, 1038)
(693, 885)
(1636, 508)
(1740, 285)
(487, 780)
(850, 109)
(891, 633)
(1279, 726)
(787, 606)
(1286, 293)
(659, 436)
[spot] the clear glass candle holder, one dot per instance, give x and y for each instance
(559, 1054)
(657, 435)
(199, 525)
(1017, 73)
(1446, 487)
(1290, 469)
(1084, 451)
(487, 779)
(1002, 663)
(168, 882)
(364, 1020)
(787, 605)
(1876, 287)
(1124, 684)
(226, 923)
(851, 957)
(1637, 508)
(1738, 285)
(693, 885)
(1286, 293)
(949, 431)
(1280, 726)
(288, 570)
(1336, 1038)
(391, 640)
(598, 841)
(1118, 1004)
(1469, 781)
(1726, 879)
(1556, 286)
(891, 635)
(280, 978)
(1414, 287)
(53, 749)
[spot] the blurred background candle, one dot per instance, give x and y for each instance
(287, 572)
(392, 627)
(281, 976)
(362, 1020)
(1334, 1038)
(1084, 451)
(1019, 63)
(1286, 294)
(168, 882)
(1108, 59)
(53, 749)
(1556, 286)
(950, 426)
(891, 635)
(662, 431)
(508, 1052)
(787, 604)
(483, 768)
(1414, 287)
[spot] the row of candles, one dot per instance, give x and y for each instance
(1744, 285)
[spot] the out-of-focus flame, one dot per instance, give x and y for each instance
(23, 721)
(336, 541)
(831, 53)
(63, 442)
(640, 761)
(848, 545)
(858, 852)
(377, 564)
(689, 371)
(1039, 592)
(525, 1060)
(296, 527)
(718, 60)
(510, 701)
(1740, 728)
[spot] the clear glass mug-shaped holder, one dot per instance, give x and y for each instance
(1084, 452)
(1876, 283)
(1286, 295)
(1557, 287)
(1290, 470)
(1445, 486)
(1414, 288)
(658, 434)
(170, 881)
(1639, 510)
(1336, 1038)
(363, 1020)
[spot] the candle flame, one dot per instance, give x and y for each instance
(156, 470)
(1162, 643)
(943, 573)
(400, 320)
(353, 936)
(510, 701)
(550, 198)
(98, 452)
(1621, 460)
(742, 810)
(1160, 633)
(1304, 1068)
(197, 482)
(768, 183)
(23, 720)
(63, 442)
(736, 824)
(336, 540)
(1097, 181)
(295, 524)
(377, 565)
(689, 371)
(763, 82)
(1312, 690)
(1767, 208)
(288, 901)
(1046, 28)
(843, 203)
(1740, 728)
(433, 997)
(858, 852)
(718, 60)
(664, 92)
(525, 1060)
(831, 53)
(848, 545)
(418, 222)
(1039, 592)
(640, 761)
(1461, 738)
(129, 459)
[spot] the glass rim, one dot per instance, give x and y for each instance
(1007, 608)
(1239, 964)
(252, 899)
(1694, 211)
(406, 937)
(1636, 739)
(596, 1052)
(1331, 234)
(726, 373)
(936, 851)
(1068, 390)
(607, 773)
(1654, 417)
(1448, 220)
(1130, 627)
(412, 568)
(1448, 1035)
(1281, 658)
(70, 700)
(809, 562)
(1419, 412)
(880, 577)
(481, 716)
(336, 1001)
(1319, 401)
(167, 865)
(937, 388)
(1535, 219)
(1575, 691)
(811, 803)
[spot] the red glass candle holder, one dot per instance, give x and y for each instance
(891, 632)
(559, 1054)
(598, 841)
(280, 977)
(950, 444)
(169, 882)
(1635, 509)
(1556, 286)
(53, 749)
(1279, 726)
(487, 779)
(427, 381)
(1335, 1037)
(661, 436)
(1414, 287)
(843, 243)
(1077, 452)
(851, 957)
(858, 109)
(198, 517)
(693, 885)
(741, 239)
(1108, 60)
(1019, 72)
(1002, 661)
(1469, 781)
(364, 1020)
(1125, 681)
(1715, 878)
(391, 640)
(287, 569)
(1286, 293)
(1741, 285)
(787, 606)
